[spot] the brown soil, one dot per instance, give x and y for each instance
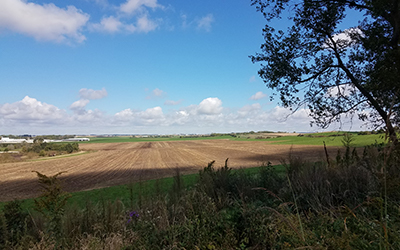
(121, 163)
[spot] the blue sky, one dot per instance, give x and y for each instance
(135, 66)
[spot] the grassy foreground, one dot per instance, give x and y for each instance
(135, 191)
(352, 202)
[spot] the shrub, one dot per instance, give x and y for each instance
(51, 203)
(15, 220)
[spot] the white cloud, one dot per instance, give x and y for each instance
(248, 109)
(150, 116)
(151, 113)
(124, 115)
(32, 116)
(29, 109)
(89, 117)
(205, 22)
(252, 79)
(131, 6)
(113, 24)
(109, 24)
(91, 94)
(144, 24)
(43, 22)
(345, 39)
(257, 96)
(210, 106)
(342, 90)
(80, 104)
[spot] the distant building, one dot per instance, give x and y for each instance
(77, 139)
(8, 140)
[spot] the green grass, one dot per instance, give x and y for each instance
(145, 189)
(359, 140)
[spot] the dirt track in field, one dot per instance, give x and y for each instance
(121, 163)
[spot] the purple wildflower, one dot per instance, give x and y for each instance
(132, 215)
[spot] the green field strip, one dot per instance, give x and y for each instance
(130, 193)
(336, 141)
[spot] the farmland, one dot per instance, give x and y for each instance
(108, 164)
(217, 205)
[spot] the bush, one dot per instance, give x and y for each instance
(15, 220)
(51, 203)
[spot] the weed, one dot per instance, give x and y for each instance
(51, 203)
(15, 220)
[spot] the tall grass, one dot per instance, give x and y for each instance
(352, 203)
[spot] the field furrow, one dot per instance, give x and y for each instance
(121, 163)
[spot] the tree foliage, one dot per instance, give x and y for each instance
(333, 69)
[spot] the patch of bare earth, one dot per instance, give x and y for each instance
(121, 163)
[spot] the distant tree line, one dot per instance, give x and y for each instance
(42, 147)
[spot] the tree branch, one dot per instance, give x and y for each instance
(370, 98)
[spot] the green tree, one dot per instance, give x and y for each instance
(333, 70)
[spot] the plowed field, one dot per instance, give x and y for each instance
(121, 163)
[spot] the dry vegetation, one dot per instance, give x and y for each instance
(120, 163)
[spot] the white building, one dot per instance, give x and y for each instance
(77, 139)
(8, 140)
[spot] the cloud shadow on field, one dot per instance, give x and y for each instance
(30, 188)
(310, 154)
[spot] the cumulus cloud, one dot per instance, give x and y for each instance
(80, 104)
(113, 24)
(151, 113)
(150, 116)
(43, 22)
(124, 115)
(257, 96)
(30, 109)
(32, 116)
(79, 107)
(132, 6)
(210, 106)
(144, 24)
(93, 117)
(345, 39)
(91, 94)
(342, 90)
(205, 22)
(248, 109)
(109, 24)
